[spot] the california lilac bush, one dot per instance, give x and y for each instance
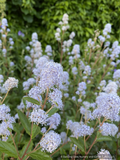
(70, 108)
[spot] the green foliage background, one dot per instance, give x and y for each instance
(42, 16)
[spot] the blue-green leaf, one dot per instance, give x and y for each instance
(104, 138)
(38, 155)
(78, 143)
(35, 131)
(52, 111)
(8, 148)
(32, 100)
(24, 121)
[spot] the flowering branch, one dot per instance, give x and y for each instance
(28, 143)
(45, 98)
(15, 146)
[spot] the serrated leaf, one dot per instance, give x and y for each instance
(104, 138)
(38, 155)
(24, 121)
(79, 144)
(24, 148)
(35, 131)
(32, 100)
(8, 148)
(52, 111)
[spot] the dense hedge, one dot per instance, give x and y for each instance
(42, 16)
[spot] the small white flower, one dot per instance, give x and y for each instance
(11, 82)
(50, 141)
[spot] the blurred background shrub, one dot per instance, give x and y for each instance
(42, 16)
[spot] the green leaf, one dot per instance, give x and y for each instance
(38, 155)
(24, 121)
(118, 158)
(16, 127)
(17, 2)
(17, 138)
(101, 138)
(35, 131)
(25, 10)
(52, 111)
(9, 140)
(24, 148)
(62, 152)
(104, 138)
(67, 146)
(73, 110)
(24, 102)
(32, 100)
(8, 148)
(79, 143)
(28, 18)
